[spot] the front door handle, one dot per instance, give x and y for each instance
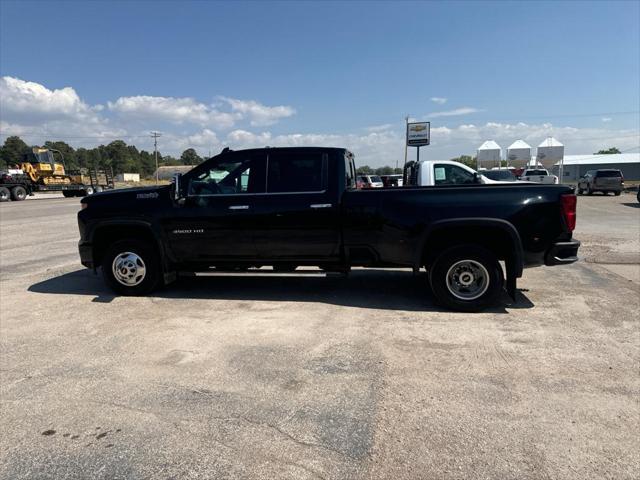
(239, 207)
(320, 205)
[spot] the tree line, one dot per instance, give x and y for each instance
(127, 158)
(117, 155)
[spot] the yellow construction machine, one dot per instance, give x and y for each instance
(41, 167)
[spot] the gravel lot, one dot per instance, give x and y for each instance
(317, 378)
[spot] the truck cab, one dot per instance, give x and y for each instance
(442, 172)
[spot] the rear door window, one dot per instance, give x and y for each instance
(289, 172)
(445, 174)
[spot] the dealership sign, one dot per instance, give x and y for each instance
(418, 133)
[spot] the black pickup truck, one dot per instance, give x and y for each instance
(290, 207)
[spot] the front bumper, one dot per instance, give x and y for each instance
(86, 254)
(562, 253)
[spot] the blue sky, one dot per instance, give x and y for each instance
(209, 74)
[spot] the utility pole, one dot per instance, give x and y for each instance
(406, 125)
(155, 136)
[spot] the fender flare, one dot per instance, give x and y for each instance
(514, 268)
(139, 223)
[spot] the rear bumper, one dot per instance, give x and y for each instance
(86, 254)
(562, 253)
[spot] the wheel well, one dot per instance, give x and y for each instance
(494, 239)
(105, 236)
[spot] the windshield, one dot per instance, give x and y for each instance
(504, 175)
(375, 179)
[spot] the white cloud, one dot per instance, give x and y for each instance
(32, 101)
(188, 110)
(454, 113)
(380, 128)
(439, 100)
(174, 110)
(37, 113)
(606, 119)
(257, 113)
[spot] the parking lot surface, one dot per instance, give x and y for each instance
(317, 378)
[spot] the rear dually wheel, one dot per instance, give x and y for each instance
(466, 278)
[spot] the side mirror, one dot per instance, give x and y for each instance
(477, 178)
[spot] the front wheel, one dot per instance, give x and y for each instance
(5, 195)
(617, 193)
(466, 278)
(131, 267)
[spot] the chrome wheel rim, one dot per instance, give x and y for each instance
(128, 269)
(467, 280)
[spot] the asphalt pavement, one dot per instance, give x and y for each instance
(316, 378)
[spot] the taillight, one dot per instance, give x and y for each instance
(568, 202)
(83, 206)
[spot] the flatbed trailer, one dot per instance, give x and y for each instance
(18, 187)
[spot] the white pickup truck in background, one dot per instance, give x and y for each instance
(429, 173)
(538, 175)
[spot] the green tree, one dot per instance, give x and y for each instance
(386, 170)
(467, 160)
(608, 151)
(13, 150)
(364, 170)
(190, 157)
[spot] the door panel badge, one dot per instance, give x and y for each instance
(187, 231)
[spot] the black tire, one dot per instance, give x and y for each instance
(589, 191)
(140, 251)
(580, 191)
(617, 194)
(68, 193)
(18, 193)
(5, 195)
(486, 266)
(285, 267)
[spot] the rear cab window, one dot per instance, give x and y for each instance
(608, 173)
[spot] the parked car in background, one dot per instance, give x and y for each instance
(391, 180)
(369, 181)
(604, 181)
(499, 175)
(538, 175)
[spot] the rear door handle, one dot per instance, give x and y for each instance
(239, 207)
(320, 205)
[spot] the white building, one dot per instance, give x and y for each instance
(128, 177)
(576, 166)
(489, 155)
(519, 153)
